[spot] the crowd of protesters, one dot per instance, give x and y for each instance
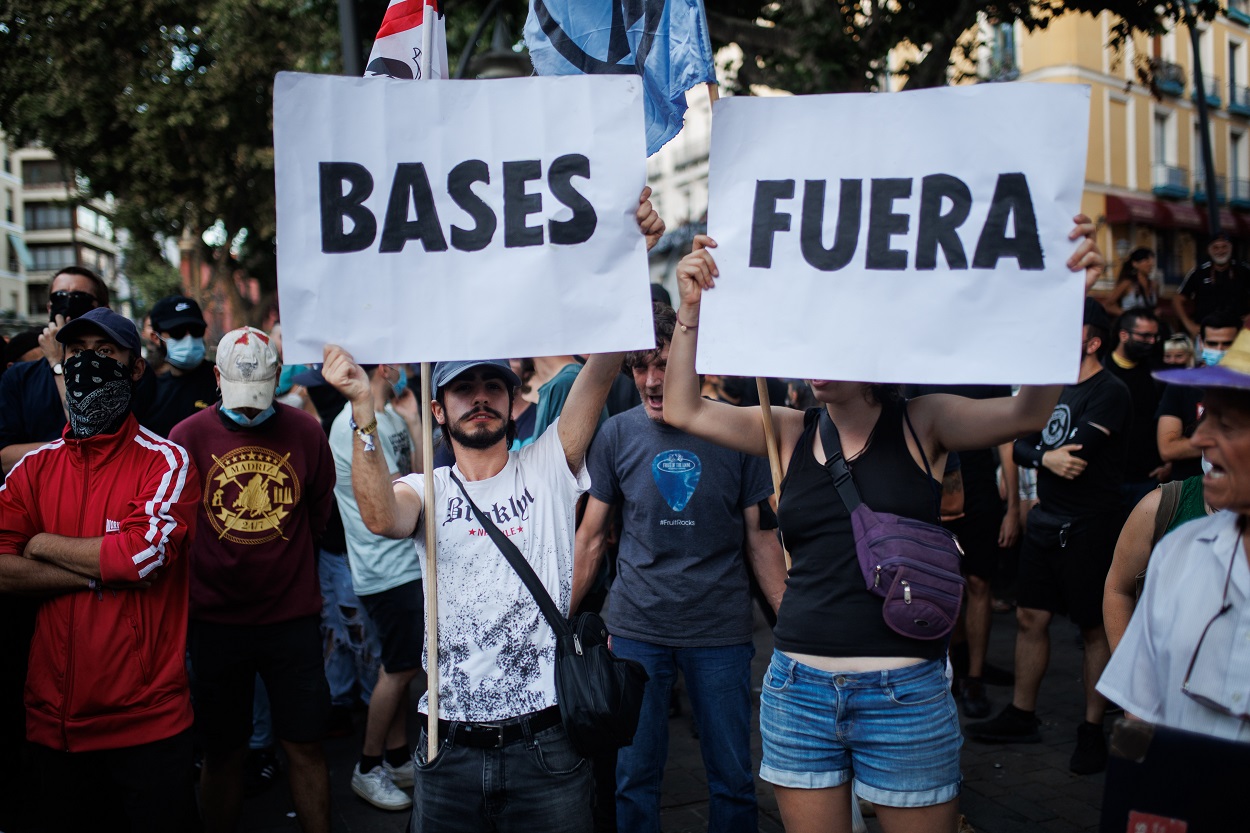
(206, 555)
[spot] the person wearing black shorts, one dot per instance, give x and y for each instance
(386, 577)
(1068, 543)
(268, 483)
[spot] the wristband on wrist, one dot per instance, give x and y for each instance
(366, 433)
(684, 327)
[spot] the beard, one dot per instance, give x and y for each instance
(481, 436)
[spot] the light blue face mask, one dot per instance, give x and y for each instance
(184, 353)
(402, 385)
(244, 421)
(1211, 357)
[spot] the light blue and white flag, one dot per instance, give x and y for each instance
(664, 41)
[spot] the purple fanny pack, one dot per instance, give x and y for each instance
(913, 565)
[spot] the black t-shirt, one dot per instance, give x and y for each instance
(178, 397)
(1142, 449)
(1212, 291)
(1184, 403)
(1104, 400)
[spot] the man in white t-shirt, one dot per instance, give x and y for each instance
(386, 577)
(506, 762)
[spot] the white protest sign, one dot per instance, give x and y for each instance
(460, 219)
(902, 237)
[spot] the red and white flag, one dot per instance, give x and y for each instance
(398, 47)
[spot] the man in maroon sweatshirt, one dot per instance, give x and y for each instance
(267, 476)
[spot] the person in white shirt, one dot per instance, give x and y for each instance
(1184, 661)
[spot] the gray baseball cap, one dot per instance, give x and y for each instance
(444, 372)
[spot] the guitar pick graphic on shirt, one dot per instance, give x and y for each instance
(676, 475)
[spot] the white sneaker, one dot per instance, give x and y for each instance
(401, 776)
(375, 787)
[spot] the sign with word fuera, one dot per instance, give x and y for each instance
(901, 237)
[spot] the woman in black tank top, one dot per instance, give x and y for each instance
(846, 698)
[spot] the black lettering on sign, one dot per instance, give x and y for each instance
(938, 229)
(460, 186)
(1011, 199)
(337, 207)
(883, 224)
(579, 227)
(411, 187)
(766, 220)
(846, 234)
(518, 204)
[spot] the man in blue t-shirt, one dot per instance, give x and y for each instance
(681, 597)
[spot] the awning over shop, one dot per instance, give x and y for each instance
(23, 253)
(1183, 215)
(1232, 223)
(1131, 210)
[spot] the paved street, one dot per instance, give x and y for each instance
(1007, 789)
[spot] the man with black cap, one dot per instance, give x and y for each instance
(268, 481)
(96, 525)
(189, 384)
(1068, 543)
(1221, 284)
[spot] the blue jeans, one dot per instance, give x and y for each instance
(352, 650)
(539, 783)
(262, 718)
(719, 684)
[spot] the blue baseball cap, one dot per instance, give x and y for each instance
(116, 328)
(444, 372)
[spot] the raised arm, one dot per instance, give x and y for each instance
(741, 429)
(389, 510)
(580, 415)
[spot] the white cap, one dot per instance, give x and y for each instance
(249, 369)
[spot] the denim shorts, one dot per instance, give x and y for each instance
(894, 733)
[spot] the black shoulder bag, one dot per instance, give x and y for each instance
(599, 694)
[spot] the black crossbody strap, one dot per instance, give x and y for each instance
(558, 622)
(835, 462)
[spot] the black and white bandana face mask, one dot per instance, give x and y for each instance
(97, 393)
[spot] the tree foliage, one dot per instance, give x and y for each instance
(168, 103)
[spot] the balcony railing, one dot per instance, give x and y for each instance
(1169, 77)
(1239, 193)
(1239, 100)
(1170, 181)
(1239, 11)
(1210, 86)
(1200, 187)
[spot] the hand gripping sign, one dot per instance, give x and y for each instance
(460, 220)
(906, 237)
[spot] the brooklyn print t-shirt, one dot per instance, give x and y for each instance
(496, 652)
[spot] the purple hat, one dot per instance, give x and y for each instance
(1233, 371)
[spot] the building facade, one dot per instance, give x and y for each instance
(14, 257)
(60, 227)
(1145, 183)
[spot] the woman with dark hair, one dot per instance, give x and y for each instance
(1136, 287)
(846, 700)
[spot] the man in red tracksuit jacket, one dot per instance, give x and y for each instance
(98, 523)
